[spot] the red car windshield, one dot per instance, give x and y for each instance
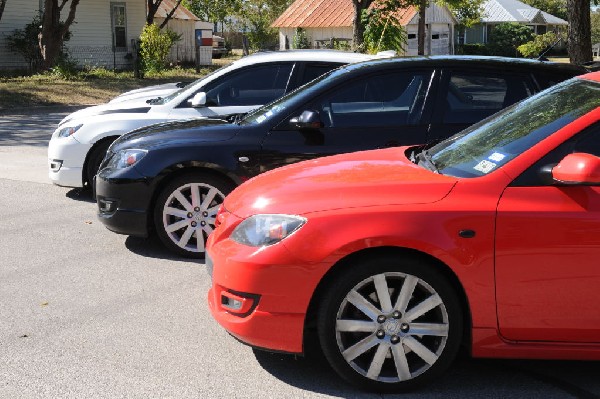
(491, 143)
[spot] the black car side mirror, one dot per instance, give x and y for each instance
(307, 120)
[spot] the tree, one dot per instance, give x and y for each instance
(467, 13)
(2, 4)
(506, 37)
(358, 28)
(256, 17)
(215, 11)
(153, 5)
(53, 32)
(383, 31)
(579, 43)
(595, 26)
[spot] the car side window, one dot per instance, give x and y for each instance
(251, 86)
(587, 141)
(314, 70)
(547, 79)
(473, 96)
(377, 100)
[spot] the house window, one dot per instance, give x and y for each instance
(119, 25)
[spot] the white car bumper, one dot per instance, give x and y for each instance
(65, 161)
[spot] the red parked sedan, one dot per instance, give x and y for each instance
(395, 257)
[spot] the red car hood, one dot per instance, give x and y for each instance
(360, 179)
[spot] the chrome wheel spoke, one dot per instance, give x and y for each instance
(402, 368)
(195, 190)
(185, 237)
(377, 362)
(408, 287)
(438, 330)
(420, 350)
(176, 226)
(180, 213)
(428, 304)
(355, 326)
(359, 348)
(208, 228)
(208, 199)
(212, 211)
(363, 305)
(382, 293)
(183, 201)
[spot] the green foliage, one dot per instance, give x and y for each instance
(540, 43)
(25, 43)
(343, 45)
(595, 25)
(466, 12)
(256, 17)
(472, 49)
(154, 48)
(65, 68)
(506, 37)
(382, 28)
(300, 39)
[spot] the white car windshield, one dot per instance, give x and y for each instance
(195, 85)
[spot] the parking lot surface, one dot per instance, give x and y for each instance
(85, 313)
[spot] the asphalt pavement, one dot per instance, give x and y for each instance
(86, 313)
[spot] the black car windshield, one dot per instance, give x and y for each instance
(491, 143)
(276, 107)
(175, 94)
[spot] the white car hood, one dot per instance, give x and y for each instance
(130, 106)
(148, 92)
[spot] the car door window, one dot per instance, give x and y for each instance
(251, 86)
(587, 141)
(314, 70)
(472, 97)
(377, 100)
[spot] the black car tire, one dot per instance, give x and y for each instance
(394, 348)
(180, 226)
(97, 154)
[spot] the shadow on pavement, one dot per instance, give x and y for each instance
(81, 194)
(466, 378)
(151, 247)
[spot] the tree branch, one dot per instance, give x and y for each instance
(170, 14)
(2, 4)
(70, 17)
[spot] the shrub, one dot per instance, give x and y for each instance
(25, 42)
(383, 31)
(506, 37)
(300, 39)
(540, 43)
(472, 49)
(155, 47)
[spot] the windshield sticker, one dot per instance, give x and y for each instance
(496, 157)
(485, 166)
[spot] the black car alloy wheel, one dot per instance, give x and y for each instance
(186, 209)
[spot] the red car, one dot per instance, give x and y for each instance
(396, 257)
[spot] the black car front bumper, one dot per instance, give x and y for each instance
(124, 202)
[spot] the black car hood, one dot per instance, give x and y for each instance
(176, 133)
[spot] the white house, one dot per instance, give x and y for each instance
(326, 19)
(102, 33)
(499, 11)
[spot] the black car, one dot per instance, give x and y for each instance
(171, 178)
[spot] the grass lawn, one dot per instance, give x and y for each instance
(87, 88)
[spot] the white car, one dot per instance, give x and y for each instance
(80, 142)
(149, 92)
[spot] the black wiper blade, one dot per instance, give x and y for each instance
(153, 100)
(425, 160)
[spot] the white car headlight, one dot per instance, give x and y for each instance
(68, 131)
(125, 158)
(259, 230)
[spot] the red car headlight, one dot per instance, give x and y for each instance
(260, 230)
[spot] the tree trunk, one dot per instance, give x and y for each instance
(2, 4)
(53, 31)
(358, 29)
(152, 9)
(170, 14)
(421, 27)
(579, 44)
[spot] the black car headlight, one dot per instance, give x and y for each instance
(260, 230)
(125, 158)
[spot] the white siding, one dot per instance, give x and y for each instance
(17, 14)
(91, 39)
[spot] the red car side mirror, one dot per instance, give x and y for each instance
(577, 168)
